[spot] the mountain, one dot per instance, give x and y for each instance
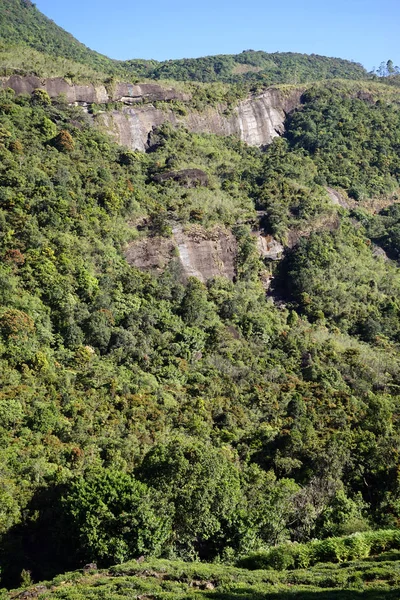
(199, 340)
(23, 24)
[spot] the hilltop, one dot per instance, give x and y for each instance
(23, 24)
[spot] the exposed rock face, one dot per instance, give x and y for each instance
(269, 247)
(151, 253)
(202, 254)
(131, 127)
(146, 92)
(337, 198)
(56, 86)
(256, 120)
(206, 254)
(87, 94)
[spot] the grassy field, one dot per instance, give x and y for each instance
(375, 578)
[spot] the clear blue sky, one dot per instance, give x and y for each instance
(366, 31)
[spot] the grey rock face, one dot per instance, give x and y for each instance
(54, 87)
(269, 247)
(337, 198)
(87, 94)
(206, 254)
(255, 120)
(146, 92)
(150, 254)
(202, 254)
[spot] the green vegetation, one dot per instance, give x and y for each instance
(150, 414)
(23, 23)
(24, 60)
(374, 579)
(353, 140)
(358, 546)
(57, 52)
(253, 66)
(147, 414)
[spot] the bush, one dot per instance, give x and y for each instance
(336, 549)
(64, 141)
(114, 517)
(40, 97)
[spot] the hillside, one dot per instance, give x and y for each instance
(199, 340)
(356, 575)
(22, 24)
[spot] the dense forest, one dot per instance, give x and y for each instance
(146, 413)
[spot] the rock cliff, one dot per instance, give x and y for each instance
(127, 93)
(256, 120)
(202, 253)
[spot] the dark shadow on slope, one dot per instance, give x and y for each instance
(41, 544)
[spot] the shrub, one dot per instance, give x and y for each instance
(40, 97)
(114, 517)
(63, 141)
(336, 549)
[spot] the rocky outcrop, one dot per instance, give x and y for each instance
(150, 253)
(337, 198)
(202, 253)
(256, 120)
(127, 93)
(269, 247)
(206, 254)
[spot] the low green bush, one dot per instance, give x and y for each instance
(331, 550)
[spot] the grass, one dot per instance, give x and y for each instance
(370, 579)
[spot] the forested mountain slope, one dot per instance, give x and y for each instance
(255, 421)
(145, 411)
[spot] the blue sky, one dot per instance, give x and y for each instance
(366, 31)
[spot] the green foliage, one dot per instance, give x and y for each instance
(353, 141)
(337, 549)
(113, 517)
(375, 580)
(384, 229)
(41, 97)
(184, 418)
(329, 272)
(63, 141)
(48, 50)
(256, 66)
(203, 484)
(24, 22)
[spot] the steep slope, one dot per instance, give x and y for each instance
(22, 23)
(212, 418)
(199, 343)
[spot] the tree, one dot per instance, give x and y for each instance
(202, 483)
(113, 517)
